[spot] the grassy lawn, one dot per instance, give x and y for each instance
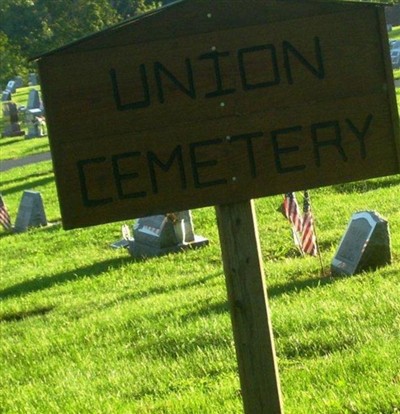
(85, 328)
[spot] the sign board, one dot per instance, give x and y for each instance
(188, 107)
(365, 245)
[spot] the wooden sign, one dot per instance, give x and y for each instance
(190, 107)
(209, 103)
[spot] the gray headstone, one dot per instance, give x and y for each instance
(30, 212)
(33, 79)
(11, 120)
(162, 234)
(6, 96)
(364, 246)
(11, 86)
(18, 82)
(34, 101)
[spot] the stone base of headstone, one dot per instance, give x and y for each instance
(12, 130)
(364, 246)
(35, 123)
(6, 96)
(11, 125)
(163, 234)
(138, 250)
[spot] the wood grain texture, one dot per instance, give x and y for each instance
(250, 313)
(144, 127)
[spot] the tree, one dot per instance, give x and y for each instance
(12, 62)
(32, 27)
(130, 8)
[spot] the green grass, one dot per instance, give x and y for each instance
(87, 329)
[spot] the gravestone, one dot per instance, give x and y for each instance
(162, 234)
(34, 100)
(34, 118)
(30, 212)
(364, 246)
(11, 86)
(18, 82)
(33, 79)
(6, 96)
(35, 123)
(11, 121)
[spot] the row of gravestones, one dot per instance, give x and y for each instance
(34, 117)
(16, 83)
(365, 244)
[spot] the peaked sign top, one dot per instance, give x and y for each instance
(208, 102)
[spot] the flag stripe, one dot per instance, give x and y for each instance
(5, 220)
(309, 240)
(292, 212)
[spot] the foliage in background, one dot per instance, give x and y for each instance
(31, 27)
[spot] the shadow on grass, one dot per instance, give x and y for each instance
(18, 316)
(365, 186)
(10, 141)
(94, 270)
(51, 227)
(25, 178)
(28, 185)
(46, 282)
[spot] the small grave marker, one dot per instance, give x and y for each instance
(365, 245)
(161, 234)
(30, 212)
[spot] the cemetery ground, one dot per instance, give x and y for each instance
(88, 329)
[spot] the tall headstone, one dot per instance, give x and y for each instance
(33, 79)
(34, 100)
(34, 115)
(161, 234)
(12, 126)
(365, 245)
(30, 212)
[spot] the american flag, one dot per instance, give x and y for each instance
(290, 210)
(308, 239)
(5, 220)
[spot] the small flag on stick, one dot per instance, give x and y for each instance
(5, 220)
(291, 211)
(309, 240)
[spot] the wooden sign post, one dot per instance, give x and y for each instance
(191, 106)
(248, 303)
